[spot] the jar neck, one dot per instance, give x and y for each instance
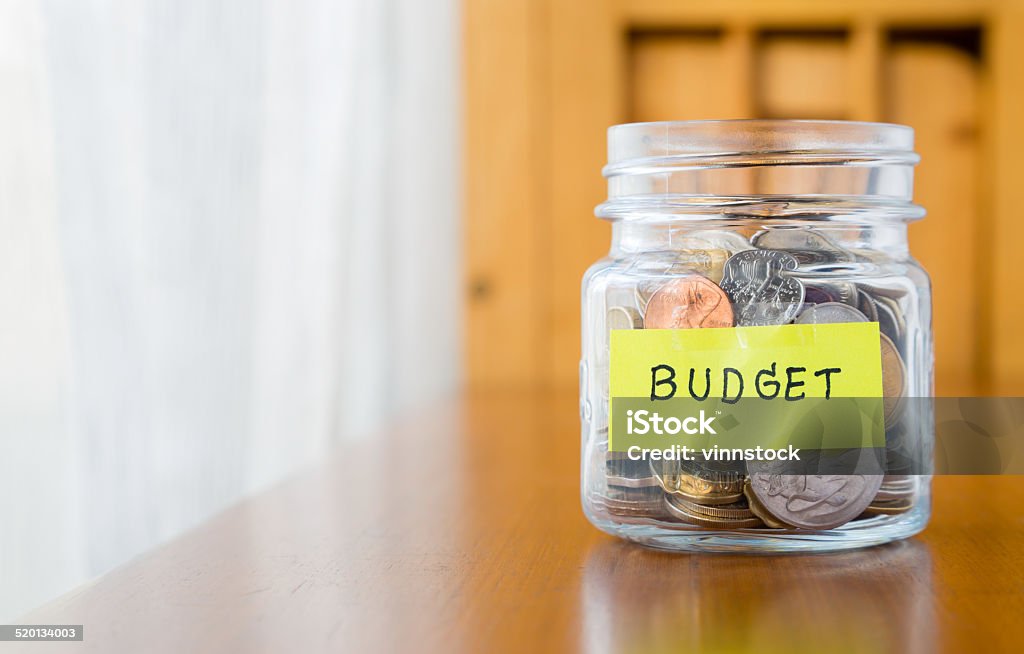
(637, 237)
(821, 171)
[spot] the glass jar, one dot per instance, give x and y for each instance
(768, 260)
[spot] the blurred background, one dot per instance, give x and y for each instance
(544, 79)
(229, 239)
(236, 233)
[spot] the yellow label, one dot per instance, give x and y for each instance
(779, 366)
(854, 348)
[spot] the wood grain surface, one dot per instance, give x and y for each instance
(460, 530)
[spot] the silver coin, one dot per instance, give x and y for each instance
(867, 305)
(759, 288)
(619, 301)
(847, 292)
(624, 318)
(815, 501)
(809, 247)
(828, 313)
(894, 314)
(887, 321)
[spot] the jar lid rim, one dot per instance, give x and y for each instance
(693, 138)
(767, 122)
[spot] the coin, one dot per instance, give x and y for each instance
(643, 292)
(688, 302)
(890, 317)
(761, 292)
(640, 502)
(894, 378)
(828, 313)
(809, 248)
(624, 318)
(701, 491)
(814, 501)
(685, 512)
(889, 508)
(702, 482)
(733, 511)
(758, 509)
(867, 306)
(820, 293)
(632, 509)
(886, 319)
(627, 473)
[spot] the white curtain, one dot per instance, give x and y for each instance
(228, 239)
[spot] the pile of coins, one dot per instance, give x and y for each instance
(781, 275)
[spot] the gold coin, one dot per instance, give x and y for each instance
(760, 511)
(686, 515)
(894, 379)
(700, 490)
(735, 511)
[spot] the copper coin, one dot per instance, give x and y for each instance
(894, 379)
(688, 303)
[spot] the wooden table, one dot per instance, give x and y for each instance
(461, 530)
